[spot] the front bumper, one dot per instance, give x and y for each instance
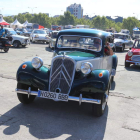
(41, 39)
(133, 62)
(78, 99)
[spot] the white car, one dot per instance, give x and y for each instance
(38, 35)
(15, 39)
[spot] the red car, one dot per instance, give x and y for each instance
(133, 55)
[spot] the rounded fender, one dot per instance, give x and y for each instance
(30, 76)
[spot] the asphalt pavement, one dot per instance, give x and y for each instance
(46, 119)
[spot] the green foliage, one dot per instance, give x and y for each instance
(129, 23)
(69, 19)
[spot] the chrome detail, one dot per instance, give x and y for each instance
(135, 58)
(113, 72)
(62, 74)
(72, 98)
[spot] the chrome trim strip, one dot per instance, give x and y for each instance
(72, 98)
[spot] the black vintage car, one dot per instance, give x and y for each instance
(80, 71)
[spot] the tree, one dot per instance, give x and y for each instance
(129, 23)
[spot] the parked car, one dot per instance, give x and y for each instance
(15, 39)
(53, 39)
(133, 55)
(80, 71)
(122, 41)
(39, 36)
(136, 34)
(23, 32)
(125, 31)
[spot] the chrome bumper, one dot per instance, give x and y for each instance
(72, 98)
(136, 63)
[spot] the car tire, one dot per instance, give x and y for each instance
(112, 79)
(127, 64)
(23, 46)
(16, 44)
(6, 49)
(23, 98)
(99, 109)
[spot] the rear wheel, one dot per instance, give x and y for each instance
(127, 64)
(6, 49)
(24, 98)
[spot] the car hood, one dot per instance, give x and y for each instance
(78, 56)
(135, 51)
(19, 36)
(118, 40)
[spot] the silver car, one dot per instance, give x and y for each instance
(122, 41)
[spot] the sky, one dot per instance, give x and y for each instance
(124, 8)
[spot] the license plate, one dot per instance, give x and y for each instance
(53, 96)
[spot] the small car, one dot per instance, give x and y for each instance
(133, 55)
(80, 71)
(122, 41)
(39, 35)
(136, 34)
(125, 31)
(15, 39)
(53, 39)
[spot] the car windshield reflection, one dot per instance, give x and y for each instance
(90, 43)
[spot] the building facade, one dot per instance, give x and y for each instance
(76, 10)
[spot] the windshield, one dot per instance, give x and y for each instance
(90, 43)
(39, 32)
(137, 44)
(136, 32)
(54, 35)
(54, 27)
(120, 36)
(13, 32)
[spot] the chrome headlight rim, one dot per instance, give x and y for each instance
(130, 53)
(37, 62)
(87, 65)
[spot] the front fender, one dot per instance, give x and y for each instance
(91, 83)
(32, 77)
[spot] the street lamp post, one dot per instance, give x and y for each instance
(32, 8)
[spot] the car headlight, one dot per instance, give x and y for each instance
(86, 67)
(46, 37)
(130, 53)
(37, 62)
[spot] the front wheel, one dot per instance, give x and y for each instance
(16, 44)
(23, 46)
(127, 64)
(24, 98)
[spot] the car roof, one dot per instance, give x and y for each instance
(83, 31)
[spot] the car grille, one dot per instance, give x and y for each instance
(62, 74)
(135, 58)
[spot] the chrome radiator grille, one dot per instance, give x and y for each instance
(136, 58)
(62, 74)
